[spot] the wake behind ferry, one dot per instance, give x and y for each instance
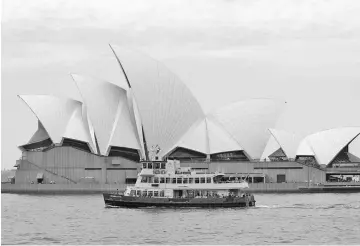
(166, 184)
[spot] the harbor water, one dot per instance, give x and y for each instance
(328, 219)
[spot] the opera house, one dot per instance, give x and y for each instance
(102, 138)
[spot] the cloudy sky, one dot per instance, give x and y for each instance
(306, 52)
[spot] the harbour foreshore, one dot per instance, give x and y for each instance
(100, 188)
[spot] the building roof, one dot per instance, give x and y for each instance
(278, 153)
(39, 135)
(108, 109)
(60, 117)
(248, 122)
(326, 145)
(208, 137)
(167, 108)
(219, 139)
(196, 138)
(287, 141)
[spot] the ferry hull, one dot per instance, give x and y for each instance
(115, 200)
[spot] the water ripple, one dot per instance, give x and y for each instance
(277, 219)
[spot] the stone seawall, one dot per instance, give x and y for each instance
(101, 188)
(61, 188)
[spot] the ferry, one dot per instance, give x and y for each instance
(166, 184)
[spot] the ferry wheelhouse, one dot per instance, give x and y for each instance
(166, 184)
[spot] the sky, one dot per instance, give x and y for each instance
(305, 52)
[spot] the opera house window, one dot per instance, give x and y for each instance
(162, 180)
(150, 166)
(156, 180)
(162, 165)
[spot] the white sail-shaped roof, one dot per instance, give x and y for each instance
(166, 106)
(39, 135)
(325, 145)
(108, 109)
(248, 122)
(76, 128)
(304, 149)
(219, 139)
(196, 138)
(288, 141)
(271, 146)
(207, 137)
(61, 117)
(136, 120)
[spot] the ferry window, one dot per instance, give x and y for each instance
(150, 165)
(161, 193)
(150, 180)
(179, 180)
(156, 193)
(202, 180)
(156, 180)
(162, 180)
(144, 165)
(185, 180)
(156, 165)
(197, 180)
(150, 193)
(143, 179)
(208, 180)
(144, 193)
(132, 193)
(191, 180)
(191, 193)
(168, 180)
(162, 166)
(138, 193)
(173, 180)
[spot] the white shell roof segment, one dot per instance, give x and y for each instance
(39, 135)
(325, 145)
(288, 141)
(108, 109)
(271, 146)
(196, 138)
(207, 137)
(61, 117)
(304, 149)
(136, 120)
(219, 139)
(248, 122)
(166, 106)
(76, 128)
